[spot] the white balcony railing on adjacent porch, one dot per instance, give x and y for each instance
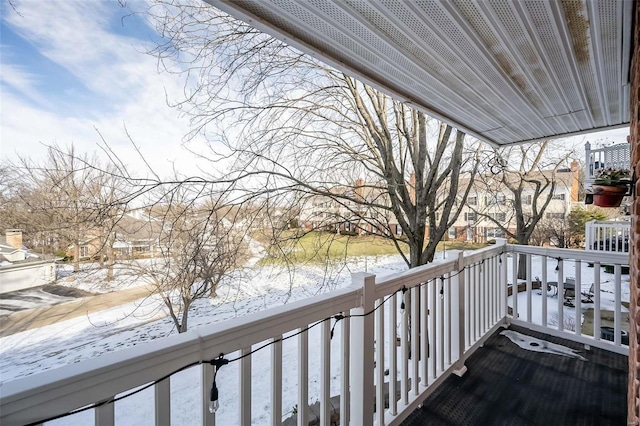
(615, 156)
(608, 236)
(450, 308)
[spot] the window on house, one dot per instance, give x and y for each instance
(470, 216)
(500, 217)
(527, 200)
(84, 251)
(555, 215)
(558, 196)
(495, 233)
(497, 199)
(398, 230)
(452, 232)
(472, 201)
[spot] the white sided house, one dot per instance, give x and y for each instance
(20, 269)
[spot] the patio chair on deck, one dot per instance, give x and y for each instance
(569, 292)
(588, 295)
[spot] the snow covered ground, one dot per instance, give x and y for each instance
(71, 341)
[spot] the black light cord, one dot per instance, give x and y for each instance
(220, 360)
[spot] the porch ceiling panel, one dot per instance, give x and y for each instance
(504, 71)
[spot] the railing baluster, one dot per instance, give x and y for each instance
(560, 295)
(467, 308)
(344, 384)
(162, 401)
(478, 270)
(104, 415)
(485, 304)
(617, 311)
(433, 338)
(545, 293)
(415, 338)
(503, 285)
(393, 355)
(276, 381)
(494, 292)
(514, 285)
(473, 303)
(208, 419)
(424, 334)
(578, 298)
(245, 387)
(447, 317)
(529, 288)
(325, 373)
(303, 377)
(380, 362)
(404, 350)
(459, 313)
(441, 327)
(596, 300)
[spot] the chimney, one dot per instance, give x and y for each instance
(14, 238)
(575, 182)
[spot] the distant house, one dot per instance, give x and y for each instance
(134, 235)
(20, 269)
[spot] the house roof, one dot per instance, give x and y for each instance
(504, 71)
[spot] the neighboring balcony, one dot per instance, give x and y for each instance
(423, 327)
(615, 156)
(608, 236)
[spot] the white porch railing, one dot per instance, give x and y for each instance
(616, 156)
(608, 236)
(450, 308)
(550, 315)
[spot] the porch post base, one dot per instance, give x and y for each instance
(460, 371)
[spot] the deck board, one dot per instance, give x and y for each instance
(507, 385)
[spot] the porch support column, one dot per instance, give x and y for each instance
(362, 353)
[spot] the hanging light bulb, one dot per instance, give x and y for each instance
(213, 403)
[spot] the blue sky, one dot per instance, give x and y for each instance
(69, 67)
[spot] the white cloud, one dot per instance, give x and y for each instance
(126, 87)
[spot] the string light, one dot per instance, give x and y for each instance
(214, 404)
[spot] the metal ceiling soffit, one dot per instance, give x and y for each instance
(504, 71)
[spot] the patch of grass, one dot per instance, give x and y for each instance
(460, 245)
(319, 247)
(606, 320)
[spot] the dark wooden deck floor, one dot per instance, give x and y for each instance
(507, 385)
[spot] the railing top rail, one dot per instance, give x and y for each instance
(485, 253)
(386, 285)
(609, 222)
(63, 389)
(616, 147)
(589, 256)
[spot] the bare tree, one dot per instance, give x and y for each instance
(281, 123)
(521, 185)
(524, 185)
(554, 232)
(198, 247)
(56, 195)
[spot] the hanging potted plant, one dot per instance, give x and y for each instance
(610, 186)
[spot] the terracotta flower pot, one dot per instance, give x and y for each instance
(608, 196)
